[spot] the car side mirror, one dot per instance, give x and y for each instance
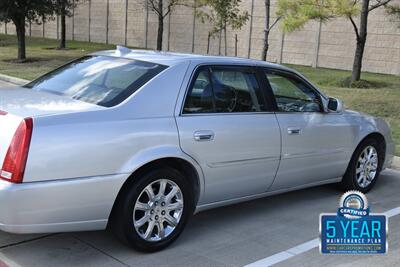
(335, 105)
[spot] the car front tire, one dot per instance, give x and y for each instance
(365, 166)
(153, 210)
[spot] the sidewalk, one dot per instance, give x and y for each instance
(12, 80)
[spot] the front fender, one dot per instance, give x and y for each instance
(384, 129)
(368, 125)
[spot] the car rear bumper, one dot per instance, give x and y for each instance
(58, 206)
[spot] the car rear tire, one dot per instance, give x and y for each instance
(152, 212)
(365, 166)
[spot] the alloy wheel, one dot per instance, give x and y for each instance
(158, 210)
(367, 166)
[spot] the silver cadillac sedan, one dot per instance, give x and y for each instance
(138, 141)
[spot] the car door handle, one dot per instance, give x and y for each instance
(293, 130)
(203, 135)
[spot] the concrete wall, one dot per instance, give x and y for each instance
(325, 45)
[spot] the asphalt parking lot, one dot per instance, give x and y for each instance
(252, 233)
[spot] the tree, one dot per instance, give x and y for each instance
(223, 14)
(20, 11)
(63, 8)
(268, 28)
(162, 8)
(394, 10)
(297, 12)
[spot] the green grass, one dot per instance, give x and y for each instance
(381, 97)
(41, 55)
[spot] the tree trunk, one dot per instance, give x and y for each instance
(208, 43)
(63, 30)
(225, 42)
(236, 45)
(361, 40)
(160, 26)
(266, 31)
(358, 58)
(220, 42)
(20, 29)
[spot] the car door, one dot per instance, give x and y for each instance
(315, 144)
(227, 126)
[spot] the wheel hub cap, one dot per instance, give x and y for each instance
(158, 210)
(367, 166)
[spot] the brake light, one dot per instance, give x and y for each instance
(3, 113)
(15, 161)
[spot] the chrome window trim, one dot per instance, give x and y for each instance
(226, 113)
(309, 112)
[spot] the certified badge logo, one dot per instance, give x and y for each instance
(353, 230)
(353, 205)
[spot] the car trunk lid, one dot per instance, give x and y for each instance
(25, 102)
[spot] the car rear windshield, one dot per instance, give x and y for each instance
(100, 80)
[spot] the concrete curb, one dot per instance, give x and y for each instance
(396, 163)
(13, 80)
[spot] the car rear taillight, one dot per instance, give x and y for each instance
(3, 113)
(14, 163)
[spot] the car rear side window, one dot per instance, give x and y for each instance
(223, 89)
(200, 98)
(100, 80)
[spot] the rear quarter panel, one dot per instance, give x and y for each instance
(81, 146)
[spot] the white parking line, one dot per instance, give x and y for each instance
(392, 212)
(304, 247)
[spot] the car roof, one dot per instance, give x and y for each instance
(173, 58)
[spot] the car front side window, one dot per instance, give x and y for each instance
(292, 94)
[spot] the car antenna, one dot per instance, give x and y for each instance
(122, 50)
